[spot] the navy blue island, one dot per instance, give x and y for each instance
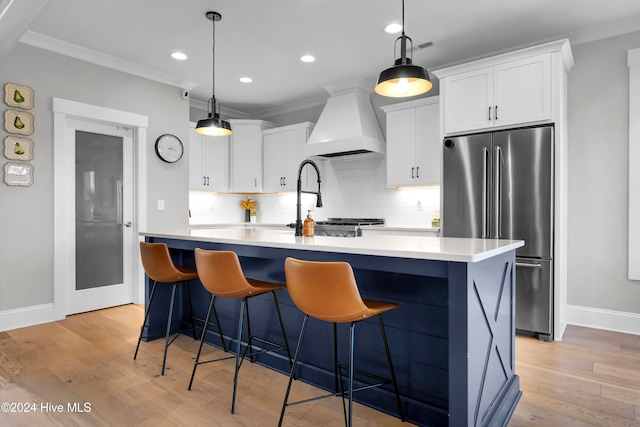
(452, 340)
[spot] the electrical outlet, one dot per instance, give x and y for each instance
(160, 205)
(419, 206)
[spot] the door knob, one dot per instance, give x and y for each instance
(128, 224)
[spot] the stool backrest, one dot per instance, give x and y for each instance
(324, 290)
(157, 262)
(220, 272)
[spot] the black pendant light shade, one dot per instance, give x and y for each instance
(403, 79)
(213, 125)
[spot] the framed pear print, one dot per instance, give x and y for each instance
(16, 148)
(18, 174)
(20, 122)
(18, 96)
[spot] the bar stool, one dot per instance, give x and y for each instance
(328, 291)
(221, 274)
(158, 265)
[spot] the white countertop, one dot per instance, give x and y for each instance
(417, 247)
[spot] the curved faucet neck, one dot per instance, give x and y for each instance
(299, 194)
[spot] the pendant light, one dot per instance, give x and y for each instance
(403, 79)
(213, 125)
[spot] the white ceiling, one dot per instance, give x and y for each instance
(264, 39)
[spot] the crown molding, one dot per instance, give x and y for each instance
(604, 31)
(78, 52)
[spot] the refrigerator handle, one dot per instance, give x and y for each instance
(523, 264)
(485, 195)
(498, 192)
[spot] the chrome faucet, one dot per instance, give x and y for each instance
(300, 191)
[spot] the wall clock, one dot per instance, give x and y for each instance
(169, 148)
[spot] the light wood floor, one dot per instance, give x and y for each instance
(592, 378)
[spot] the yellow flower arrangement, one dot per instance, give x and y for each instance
(248, 204)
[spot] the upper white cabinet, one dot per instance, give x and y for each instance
(511, 89)
(283, 152)
(208, 162)
(246, 155)
(413, 143)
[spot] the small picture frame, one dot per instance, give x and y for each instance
(20, 122)
(16, 148)
(18, 96)
(20, 174)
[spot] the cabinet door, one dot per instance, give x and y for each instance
(273, 164)
(197, 179)
(216, 162)
(293, 148)
(401, 136)
(428, 147)
(467, 98)
(247, 158)
(523, 91)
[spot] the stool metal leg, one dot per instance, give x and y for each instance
(166, 344)
(293, 369)
(243, 303)
(193, 323)
(352, 336)
(249, 336)
(284, 334)
(146, 316)
(204, 330)
(393, 374)
(338, 371)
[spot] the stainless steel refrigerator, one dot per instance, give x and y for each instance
(499, 185)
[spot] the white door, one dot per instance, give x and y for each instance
(104, 210)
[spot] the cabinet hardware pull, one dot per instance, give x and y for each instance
(489, 112)
(207, 180)
(496, 112)
(255, 182)
(417, 171)
(284, 180)
(412, 173)
(204, 180)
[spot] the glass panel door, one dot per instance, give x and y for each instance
(102, 169)
(99, 251)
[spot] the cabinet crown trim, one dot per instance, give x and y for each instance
(411, 104)
(561, 46)
(303, 125)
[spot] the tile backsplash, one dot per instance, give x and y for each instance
(350, 188)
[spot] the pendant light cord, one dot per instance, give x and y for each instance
(213, 69)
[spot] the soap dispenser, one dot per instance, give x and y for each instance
(308, 228)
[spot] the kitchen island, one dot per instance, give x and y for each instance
(452, 339)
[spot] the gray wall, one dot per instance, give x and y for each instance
(598, 113)
(26, 213)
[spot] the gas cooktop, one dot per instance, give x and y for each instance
(344, 227)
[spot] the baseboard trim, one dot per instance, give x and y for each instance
(617, 321)
(26, 316)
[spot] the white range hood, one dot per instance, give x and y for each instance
(347, 125)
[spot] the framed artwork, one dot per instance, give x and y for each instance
(16, 148)
(18, 174)
(20, 122)
(18, 96)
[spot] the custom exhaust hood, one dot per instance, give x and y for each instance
(347, 125)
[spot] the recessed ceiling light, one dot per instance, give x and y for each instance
(307, 58)
(245, 79)
(179, 56)
(394, 28)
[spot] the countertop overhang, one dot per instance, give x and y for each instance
(416, 247)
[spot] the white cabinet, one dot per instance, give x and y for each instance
(246, 155)
(208, 162)
(509, 93)
(413, 143)
(283, 151)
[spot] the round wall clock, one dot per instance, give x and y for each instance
(169, 148)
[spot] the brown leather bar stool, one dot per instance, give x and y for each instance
(328, 291)
(158, 265)
(221, 274)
